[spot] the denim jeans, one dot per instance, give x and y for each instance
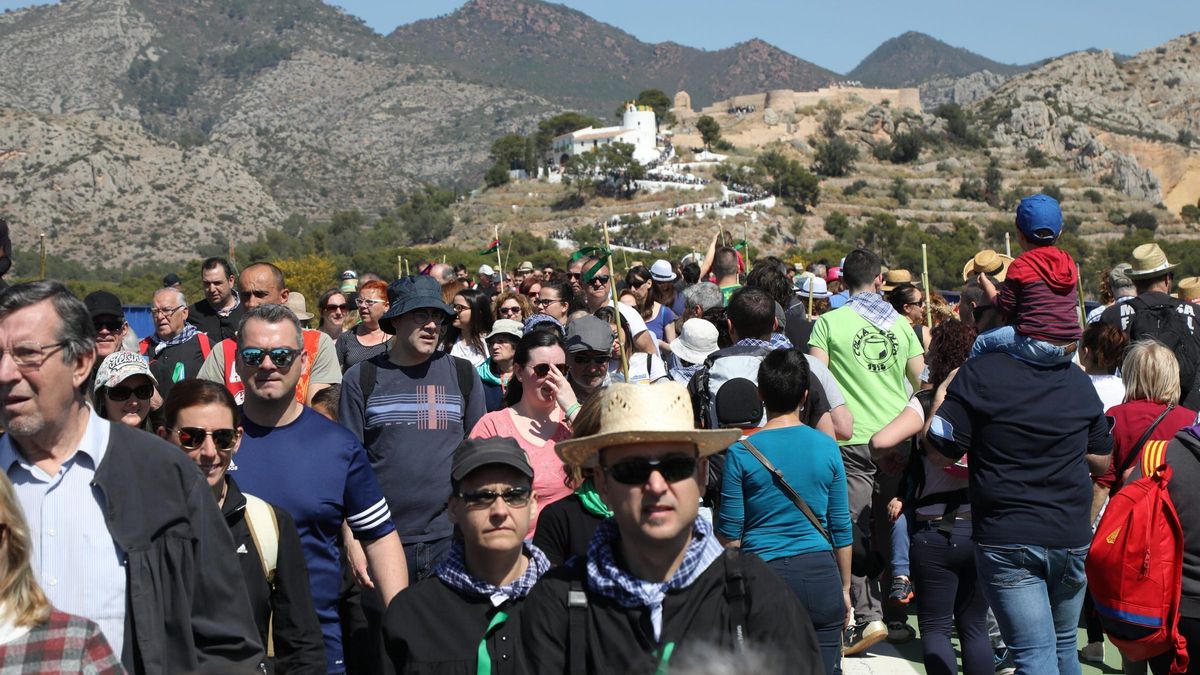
(1037, 594)
(948, 595)
(900, 544)
(817, 583)
(1007, 340)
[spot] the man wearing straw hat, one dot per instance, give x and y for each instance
(656, 585)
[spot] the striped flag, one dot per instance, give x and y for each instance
(492, 247)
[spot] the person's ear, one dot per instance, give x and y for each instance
(162, 432)
(283, 295)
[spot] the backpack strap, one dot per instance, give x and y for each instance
(1154, 455)
(368, 372)
(144, 346)
(577, 617)
(465, 371)
(788, 490)
(264, 531)
(1138, 448)
(205, 345)
(735, 595)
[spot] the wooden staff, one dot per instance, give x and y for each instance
(1079, 288)
(612, 291)
(810, 295)
(407, 271)
(746, 239)
(925, 281)
(399, 266)
(499, 260)
(42, 240)
(1007, 245)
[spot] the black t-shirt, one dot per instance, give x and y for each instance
(1026, 431)
(565, 529)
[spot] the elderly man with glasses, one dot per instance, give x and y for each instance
(177, 349)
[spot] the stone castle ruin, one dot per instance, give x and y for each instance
(786, 101)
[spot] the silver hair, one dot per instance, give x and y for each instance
(270, 314)
(176, 291)
(705, 295)
(75, 331)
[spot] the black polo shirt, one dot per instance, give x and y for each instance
(1026, 430)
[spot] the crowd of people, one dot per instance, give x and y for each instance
(711, 463)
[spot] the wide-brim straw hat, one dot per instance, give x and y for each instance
(637, 413)
(1149, 261)
(896, 277)
(1189, 288)
(987, 262)
(299, 306)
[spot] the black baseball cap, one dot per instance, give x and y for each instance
(103, 303)
(738, 404)
(474, 453)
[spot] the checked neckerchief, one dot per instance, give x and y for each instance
(453, 571)
(877, 311)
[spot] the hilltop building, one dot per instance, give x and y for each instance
(788, 101)
(638, 128)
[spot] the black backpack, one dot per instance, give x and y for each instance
(1165, 323)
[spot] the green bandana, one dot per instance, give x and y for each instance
(591, 500)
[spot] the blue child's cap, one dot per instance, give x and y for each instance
(1040, 219)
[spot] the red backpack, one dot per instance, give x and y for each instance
(1135, 565)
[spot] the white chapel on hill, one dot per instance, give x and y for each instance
(638, 128)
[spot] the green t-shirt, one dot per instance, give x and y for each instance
(870, 364)
(728, 291)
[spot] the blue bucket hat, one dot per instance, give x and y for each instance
(1039, 213)
(409, 293)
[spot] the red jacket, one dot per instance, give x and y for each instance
(1039, 296)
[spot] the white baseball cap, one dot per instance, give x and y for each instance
(120, 366)
(486, 270)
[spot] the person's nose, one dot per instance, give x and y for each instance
(656, 484)
(10, 374)
(208, 450)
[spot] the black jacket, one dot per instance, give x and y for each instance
(565, 529)
(621, 640)
(175, 363)
(1183, 456)
(299, 645)
(203, 316)
(433, 629)
(187, 606)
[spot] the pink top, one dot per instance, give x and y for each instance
(549, 479)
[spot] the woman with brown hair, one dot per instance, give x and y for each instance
(511, 305)
(333, 308)
(35, 637)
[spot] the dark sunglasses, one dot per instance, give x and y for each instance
(637, 471)
(142, 391)
(112, 325)
(193, 437)
(336, 308)
(482, 499)
(581, 359)
(574, 275)
(282, 357)
(509, 310)
(543, 369)
(600, 279)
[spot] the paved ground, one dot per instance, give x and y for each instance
(905, 659)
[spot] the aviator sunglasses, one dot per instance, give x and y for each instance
(481, 499)
(193, 437)
(637, 471)
(282, 357)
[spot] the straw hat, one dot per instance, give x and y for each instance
(1189, 289)
(296, 303)
(989, 262)
(1149, 261)
(631, 413)
(896, 277)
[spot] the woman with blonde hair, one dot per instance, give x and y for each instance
(35, 637)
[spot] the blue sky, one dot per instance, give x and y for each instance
(837, 34)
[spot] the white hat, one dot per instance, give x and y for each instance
(486, 270)
(814, 285)
(696, 341)
(661, 271)
(120, 366)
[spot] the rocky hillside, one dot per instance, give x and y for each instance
(915, 58)
(566, 56)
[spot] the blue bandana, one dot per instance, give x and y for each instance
(606, 578)
(453, 571)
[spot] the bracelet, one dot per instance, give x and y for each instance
(572, 410)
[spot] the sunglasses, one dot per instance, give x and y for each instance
(193, 437)
(637, 471)
(112, 326)
(600, 279)
(504, 311)
(142, 391)
(282, 357)
(482, 499)
(581, 359)
(336, 308)
(543, 369)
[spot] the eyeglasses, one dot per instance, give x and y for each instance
(543, 302)
(581, 359)
(282, 357)
(142, 391)
(505, 311)
(112, 325)
(482, 499)
(600, 279)
(164, 311)
(336, 308)
(193, 437)
(425, 315)
(31, 354)
(574, 275)
(461, 308)
(543, 369)
(367, 302)
(919, 303)
(673, 469)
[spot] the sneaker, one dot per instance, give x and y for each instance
(902, 591)
(862, 636)
(900, 632)
(1093, 652)
(1003, 662)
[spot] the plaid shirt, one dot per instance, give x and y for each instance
(63, 644)
(453, 571)
(607, 579)
(877, 311)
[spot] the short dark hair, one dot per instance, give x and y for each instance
(783, 380)
(725, 262)
(772, 280)
(690, 273)
(902, 295)
(194, 392)
(861, 268)
(215, 262)
(752, 313)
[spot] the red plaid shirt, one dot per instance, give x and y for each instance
(65, 643)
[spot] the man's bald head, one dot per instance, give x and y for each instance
(262, 284)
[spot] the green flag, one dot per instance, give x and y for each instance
(492, 247)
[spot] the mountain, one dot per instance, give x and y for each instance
(914, 58)
(566, 56)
